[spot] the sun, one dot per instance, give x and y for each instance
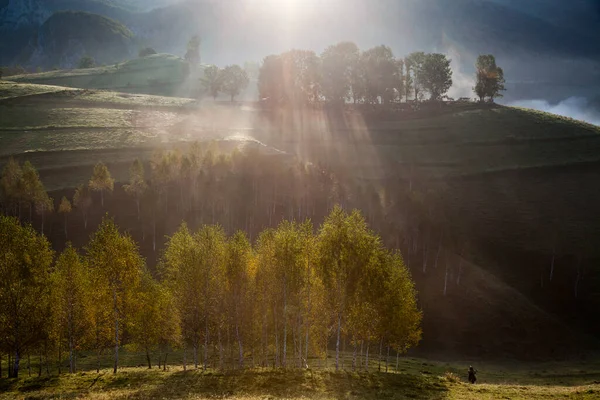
(282, 8)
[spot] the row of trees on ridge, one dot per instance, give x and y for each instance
(343, 73)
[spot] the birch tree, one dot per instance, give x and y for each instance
(154, 322)
(43, 205)
(71, 303)
(115, 260)
(289, 274)
(30, 186)
(239, 253)
(266, 300)
(10, 182)
(101, 181)
(137, 186)
(180, 269)
(398, 305)
(65, 209)
(25, 266)
(82, 200)
(211, 242)
(345, 246)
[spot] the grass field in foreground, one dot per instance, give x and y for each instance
(416, 379)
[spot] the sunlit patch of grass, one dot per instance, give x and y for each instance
(26, 118)
(134, 100)
(416, 379)
(160, 74)
(13, 90)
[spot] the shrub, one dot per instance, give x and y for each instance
(147, 51)
(86, 62)
(451, 377)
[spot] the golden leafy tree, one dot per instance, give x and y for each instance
(25, 267)
(82, 200)
(137, 183)
(10, 182)
(191, 268)
(265, 302)
(290, 276)
(238, 288)
(153, 322)
(43, 205)
(65, 209)
(30, 188)
(71, 304)
(101, 181)
(345, 248)
(211, 242)
(117, 269)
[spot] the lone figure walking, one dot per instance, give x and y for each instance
(472, 375)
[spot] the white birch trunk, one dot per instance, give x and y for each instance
(354, 357)
(578, 278)
(116, 312)
(446, 278)
(284, 359)
(437, 256)
(206, 345)
(337, 343)
(387, 358)
(460, 264)
(552, 263)
(239, 339)
(195, 353)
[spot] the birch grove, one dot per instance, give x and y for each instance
(286, 301)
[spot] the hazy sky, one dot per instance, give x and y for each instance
(548, 48)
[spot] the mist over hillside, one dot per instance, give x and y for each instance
(574, 107)
(549, 49)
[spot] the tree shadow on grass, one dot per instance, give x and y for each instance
(296, 384)
(28, 384)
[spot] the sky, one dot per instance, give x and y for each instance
(549, 49)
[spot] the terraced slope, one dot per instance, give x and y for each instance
(65, 131)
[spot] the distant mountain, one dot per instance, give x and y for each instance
(68, 35)
(143, 5)
(21, 21)
(16, 14)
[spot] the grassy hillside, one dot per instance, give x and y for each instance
(159, 74)
(512, 183)
(68, 35)
(494, 164)
(117, 10)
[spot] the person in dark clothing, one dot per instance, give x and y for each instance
(472, 375)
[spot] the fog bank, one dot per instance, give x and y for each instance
(574, 107)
